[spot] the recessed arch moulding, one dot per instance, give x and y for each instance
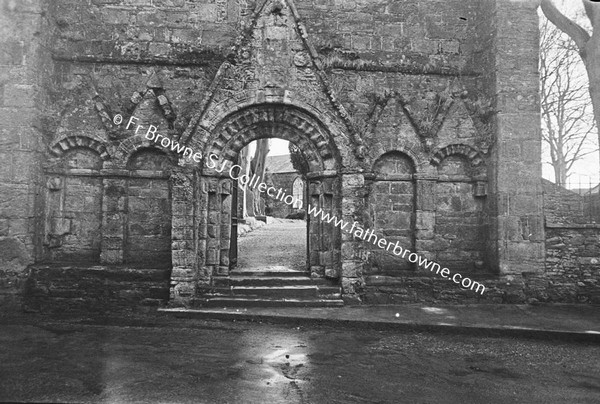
(274, 121)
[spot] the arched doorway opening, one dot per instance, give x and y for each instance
(269, 223)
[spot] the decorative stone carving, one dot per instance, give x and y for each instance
(71, 142)
(54, 183)
(301, 59)
(470, 153)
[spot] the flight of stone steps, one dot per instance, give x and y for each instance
(273, 288)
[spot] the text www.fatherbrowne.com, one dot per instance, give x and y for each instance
(355, 229)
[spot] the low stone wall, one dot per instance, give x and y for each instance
(100, 289)
(427, 288)
(592, 206)
(572, 270)
(93, 288)
(562, 205)
(572, 264)
(251, 224)
(571, 275)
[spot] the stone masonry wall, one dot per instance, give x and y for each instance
(562, 205)
(572, 271)
(94, 289)
(285, 181)
(591, 207)
(24, 71)
(572, 265)
(515, 188)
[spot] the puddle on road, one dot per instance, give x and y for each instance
(282, 369)
(286, 369)
(283, 366)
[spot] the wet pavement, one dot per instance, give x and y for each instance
(564, 321)
(167, 360)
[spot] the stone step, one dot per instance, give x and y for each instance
(276, 281)
(276, 291)
(235, 301)
(329, 292)
(268, 273)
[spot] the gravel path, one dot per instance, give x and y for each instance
(280, 245)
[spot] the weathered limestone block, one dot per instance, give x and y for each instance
(425, 220)
(14, 255)
(352, 269)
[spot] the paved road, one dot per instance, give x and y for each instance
(277, 245)
(193, 361)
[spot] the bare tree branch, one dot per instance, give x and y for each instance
(587, 44)
(564, 101)
(569, 27)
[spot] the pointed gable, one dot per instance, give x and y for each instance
(273, 62)
(395, 123)
(458, 125)
(148, 111)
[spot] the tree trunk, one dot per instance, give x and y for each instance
(556, 174)
(243, 194)
(260, 157)
(258, 168)
(560, 170)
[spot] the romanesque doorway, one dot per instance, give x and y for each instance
(218, 210)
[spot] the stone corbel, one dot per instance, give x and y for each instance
(480, 189)
(59, 228)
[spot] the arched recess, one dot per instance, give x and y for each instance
(460, 206)
(392, 208)
(130, 146)
(148, 210)
(73, 217)
(214, 189)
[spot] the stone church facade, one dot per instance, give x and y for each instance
(418, 119)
